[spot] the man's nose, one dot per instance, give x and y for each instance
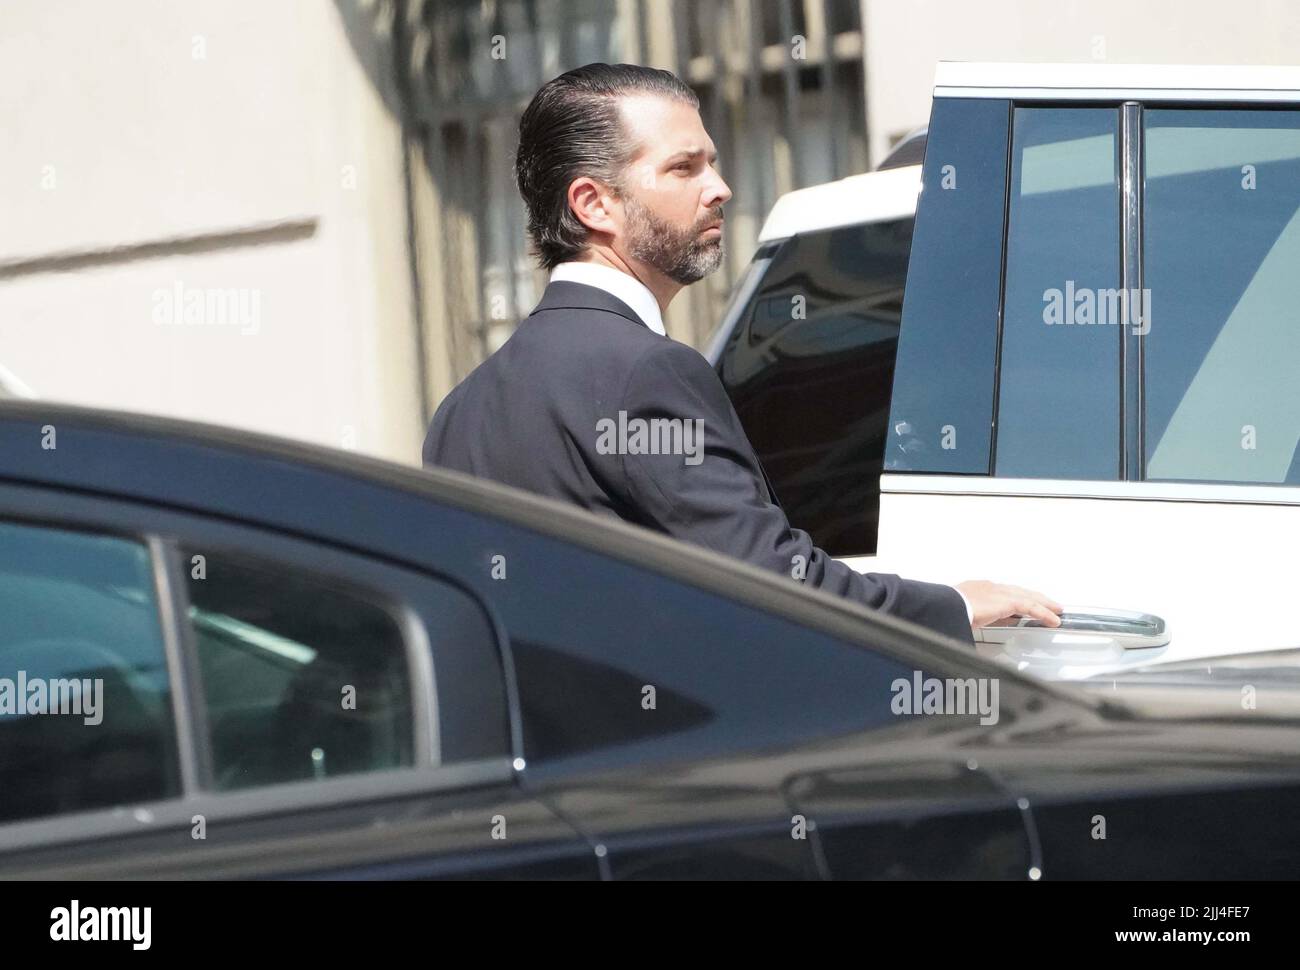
(719, 193)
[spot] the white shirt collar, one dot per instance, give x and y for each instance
(618, 284)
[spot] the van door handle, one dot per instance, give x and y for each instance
(1129, 629)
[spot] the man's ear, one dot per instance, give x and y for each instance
(593, 204)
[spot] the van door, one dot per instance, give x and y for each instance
(1092, 394)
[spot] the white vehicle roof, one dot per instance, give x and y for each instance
(11, 386)
(891, 194)
(872, 197)
(1169, 82)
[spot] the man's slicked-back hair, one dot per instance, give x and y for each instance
(572, 128)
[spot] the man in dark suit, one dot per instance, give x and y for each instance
(591, 403)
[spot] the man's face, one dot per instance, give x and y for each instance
(672, 193)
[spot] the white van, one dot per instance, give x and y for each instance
(11, 386)
(1092, 385)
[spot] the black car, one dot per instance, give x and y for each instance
(294, 662)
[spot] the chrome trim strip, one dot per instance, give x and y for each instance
(1131, 136)
(424, 699)
(156, 817)
(178, 680)
(1108, 75)
(1130, 629)
(1120, 94)
(906, 484)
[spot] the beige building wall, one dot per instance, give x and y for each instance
(238, 151)
(253, 149)
(906, 38)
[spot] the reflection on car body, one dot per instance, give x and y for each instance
(311, 671)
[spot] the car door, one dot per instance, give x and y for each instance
(700, 722)
(266, 706)
(1092, 395)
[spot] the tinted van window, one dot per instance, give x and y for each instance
(942, 410)
(1222, 262)
(1059, 392)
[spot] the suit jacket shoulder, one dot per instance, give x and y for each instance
(586, 404)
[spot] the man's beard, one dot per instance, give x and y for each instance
(680, 254)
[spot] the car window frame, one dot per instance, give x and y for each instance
(161, 531)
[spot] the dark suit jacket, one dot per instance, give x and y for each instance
(530, 416)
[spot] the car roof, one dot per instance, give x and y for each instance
(11, 386)
(221, 471)
(908, 150)
(871, 197)
(1166, 82)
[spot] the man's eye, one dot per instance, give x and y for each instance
(683, 167)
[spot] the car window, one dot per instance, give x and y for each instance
(1222, 249)
(303, 676)
(809, 368)
(86, 716)
(942, 408)
(1063, 315)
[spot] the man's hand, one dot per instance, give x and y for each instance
(991, 602)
